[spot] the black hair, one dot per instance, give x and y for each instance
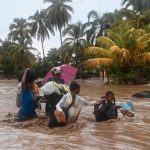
(31, 76)
(109, 93)
(74, 85)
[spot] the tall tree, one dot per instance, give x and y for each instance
(21, 55)
(59, 14)
(75, 32)
(98, 24)
(138, 20)
(40, 28)
(128, 59)
(19, 30)
(6, 63)
(75, 37)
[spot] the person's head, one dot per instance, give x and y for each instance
(30, 77)
(56, 72)
(74, 87)
(110, 96)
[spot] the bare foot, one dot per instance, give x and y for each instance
(127, 113)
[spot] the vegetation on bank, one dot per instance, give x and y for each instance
(117, 43)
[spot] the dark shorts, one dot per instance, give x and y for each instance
(51, 103)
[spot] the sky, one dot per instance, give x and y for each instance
(10, 9)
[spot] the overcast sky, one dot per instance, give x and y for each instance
(10, 9)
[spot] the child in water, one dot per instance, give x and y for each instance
(106, 108)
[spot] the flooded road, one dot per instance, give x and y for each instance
(125, 134)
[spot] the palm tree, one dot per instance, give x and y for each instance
(19, 30)
(116, 33)
(139, 14)
(108, 54)
(138, 20)
(137, 5)
(6, 63)
(21, 55)
(40, 28)
(98, 24)
(75, 37)
(59, 14)
(76, 33)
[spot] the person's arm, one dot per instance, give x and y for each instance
(36, 89)
(61, 103)
(83, 102)
(78, 110)
(23, 81)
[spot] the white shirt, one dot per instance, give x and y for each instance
(76, 106)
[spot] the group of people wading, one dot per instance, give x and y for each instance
(64, 106)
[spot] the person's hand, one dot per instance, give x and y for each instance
(97, 102)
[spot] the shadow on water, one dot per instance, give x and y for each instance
(86, 134)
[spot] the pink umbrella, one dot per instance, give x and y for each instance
(68, 73)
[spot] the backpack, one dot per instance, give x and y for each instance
(105, 111)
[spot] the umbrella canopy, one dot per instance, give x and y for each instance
(68, 73)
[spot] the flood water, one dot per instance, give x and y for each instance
(124, 134)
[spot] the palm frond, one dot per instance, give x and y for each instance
(97, 62)
(96, 52)
(107, 42)
(146, 57)
(143, 41)
(92, 14)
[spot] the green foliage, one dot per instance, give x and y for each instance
(131, 76)
(127, 56)
(44, 65)
(137, 5)
(7, 65)
(41, 67)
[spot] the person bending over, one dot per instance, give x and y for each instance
(69, 107)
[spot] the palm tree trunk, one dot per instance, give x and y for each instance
(108, 78)
(43, 48)
(60, 36)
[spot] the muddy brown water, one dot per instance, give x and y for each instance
(86, 134)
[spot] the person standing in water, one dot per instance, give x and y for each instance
(27, 108)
